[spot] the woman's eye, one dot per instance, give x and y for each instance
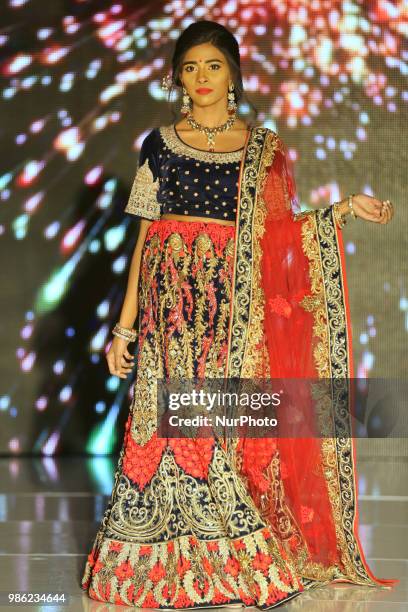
(215, 66)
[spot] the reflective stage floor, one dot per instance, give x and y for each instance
(50, 510)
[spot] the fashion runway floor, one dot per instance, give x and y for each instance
(50, 510)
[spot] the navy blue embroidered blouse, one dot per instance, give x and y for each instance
(174, 177)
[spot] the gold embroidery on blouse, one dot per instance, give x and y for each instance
(173, 142)
(143, 196)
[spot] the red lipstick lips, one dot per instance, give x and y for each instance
(203, 90)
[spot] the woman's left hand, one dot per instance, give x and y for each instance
(371, 209)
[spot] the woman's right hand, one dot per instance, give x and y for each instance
(120, 361)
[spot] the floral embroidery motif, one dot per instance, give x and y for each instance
(141, 461)
(188, 572)
(306, 514)
(280, 306)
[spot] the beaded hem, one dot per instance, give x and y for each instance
(173, 142)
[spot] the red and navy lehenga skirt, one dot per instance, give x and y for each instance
(182, 529)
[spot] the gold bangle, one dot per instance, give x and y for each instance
(340, 220)
(350, 203)
(124, 332)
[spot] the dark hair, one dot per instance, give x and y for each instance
(210, 31)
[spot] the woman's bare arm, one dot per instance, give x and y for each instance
(368, 208)
(130, 304)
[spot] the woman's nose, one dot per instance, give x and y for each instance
(201, 73)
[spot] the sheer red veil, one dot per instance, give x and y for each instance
(296, 325)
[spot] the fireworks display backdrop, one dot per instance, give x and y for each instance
(80, 89)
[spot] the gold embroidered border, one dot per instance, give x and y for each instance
(173, 142)
(255, 350)
(320, 331)
(242, 288)
(331, 360)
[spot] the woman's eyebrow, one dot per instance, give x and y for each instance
(206, 61)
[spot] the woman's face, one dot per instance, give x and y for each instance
(205, 74)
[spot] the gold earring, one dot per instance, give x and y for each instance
(186, 106)
(167, 82)
(232, 105)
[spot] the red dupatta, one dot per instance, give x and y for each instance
(290, 319)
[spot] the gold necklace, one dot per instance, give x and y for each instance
(211, 132)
